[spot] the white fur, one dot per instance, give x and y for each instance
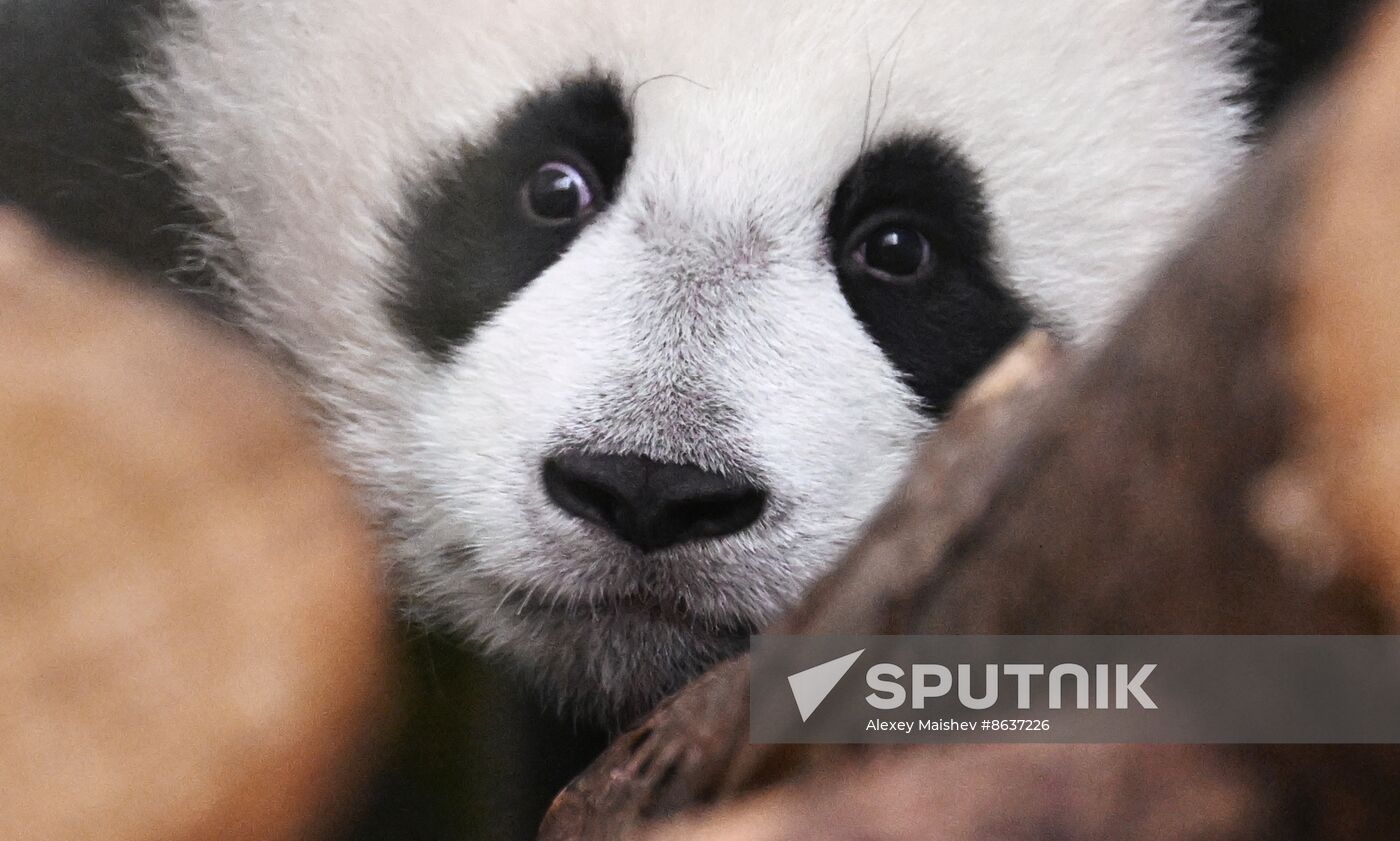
(1098, 127)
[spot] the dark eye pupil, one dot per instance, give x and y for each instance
(556, 192)
(897, 251)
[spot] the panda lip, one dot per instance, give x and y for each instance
(667, 610)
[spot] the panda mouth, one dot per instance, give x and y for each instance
(647, 607)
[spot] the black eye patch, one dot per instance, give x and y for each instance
(910, 237)
(471, 242)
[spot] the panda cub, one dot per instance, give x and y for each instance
(625, 314)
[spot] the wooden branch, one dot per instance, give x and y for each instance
(1227, 462)
(190, 625)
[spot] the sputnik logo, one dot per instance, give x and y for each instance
(811, 686)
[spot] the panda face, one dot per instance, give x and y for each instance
(626, 315)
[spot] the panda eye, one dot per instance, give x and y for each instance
(895, 252)
(557, 193)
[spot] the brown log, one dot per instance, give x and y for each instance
(1227, 462)
(191, 630)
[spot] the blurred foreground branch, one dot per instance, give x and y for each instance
(190, 626)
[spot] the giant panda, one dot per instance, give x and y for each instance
(625, 314)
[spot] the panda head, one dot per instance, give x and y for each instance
(626, 315)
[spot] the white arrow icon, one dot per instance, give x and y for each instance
(810, 687)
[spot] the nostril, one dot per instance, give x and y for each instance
(596, 498)
(649, 503)
(580, 495)
(717, 514)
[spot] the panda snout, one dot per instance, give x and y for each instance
(651, 504)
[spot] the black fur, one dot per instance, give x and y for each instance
(1292, 42)
(943, 329)
(72, 152)
(470, 245)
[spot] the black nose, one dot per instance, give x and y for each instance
(648, 503)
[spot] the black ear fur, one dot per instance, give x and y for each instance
(1293, 42)
(72, 151)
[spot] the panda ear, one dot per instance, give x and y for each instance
(73, 152)
(1292, 42)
